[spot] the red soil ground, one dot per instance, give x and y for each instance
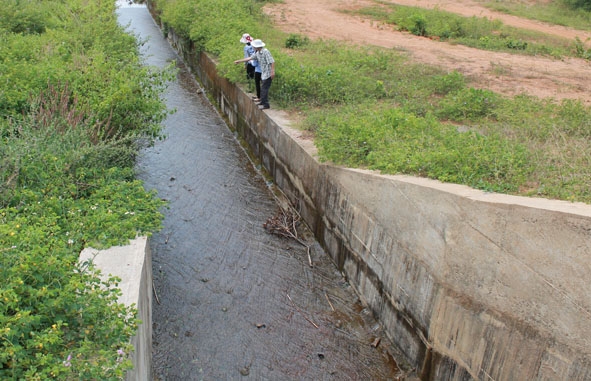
(509, 74)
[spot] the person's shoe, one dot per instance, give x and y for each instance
(264, 107)
(256, 99)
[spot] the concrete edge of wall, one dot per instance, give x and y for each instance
(133, 264)
(468, 284)
(471, 285)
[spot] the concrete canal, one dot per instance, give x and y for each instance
(233, 301)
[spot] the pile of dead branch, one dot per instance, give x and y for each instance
(285, 224)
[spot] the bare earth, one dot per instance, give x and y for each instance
(509, 74)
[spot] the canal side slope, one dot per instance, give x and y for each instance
(469, 285)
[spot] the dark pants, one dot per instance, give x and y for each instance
(265, 91)
(257, 83)
(249, 71)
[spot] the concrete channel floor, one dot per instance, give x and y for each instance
(233, 301)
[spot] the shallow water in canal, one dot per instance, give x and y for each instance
(233, 301)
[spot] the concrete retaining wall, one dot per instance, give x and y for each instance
(469, 285)
(133, 264)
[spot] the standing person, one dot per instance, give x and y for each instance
(248, 51)
(267, 64)
(257, 80)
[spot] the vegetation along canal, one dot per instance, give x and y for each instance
(234, 301)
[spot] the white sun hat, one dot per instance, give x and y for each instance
(246, 38)
(258, 44)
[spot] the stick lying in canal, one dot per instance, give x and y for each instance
(328, 300)
(155, 294)
(284, 224)
(300, 311)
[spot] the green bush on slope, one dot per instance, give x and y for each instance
(76, 104)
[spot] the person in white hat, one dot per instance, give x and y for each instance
(267, 65)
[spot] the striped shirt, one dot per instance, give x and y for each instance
(265, 60)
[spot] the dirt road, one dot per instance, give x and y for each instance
(509, 74)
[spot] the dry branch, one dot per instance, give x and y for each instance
(284, 224)
(155, 293)
(300, 311)
(328, 300)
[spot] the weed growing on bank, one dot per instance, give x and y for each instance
(394, 141)
(476, 32)
(76, 105)
(373, 108)
(569, 13)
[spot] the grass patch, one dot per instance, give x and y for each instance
(419, 120)
(476, 32)
(552, 12)
(370, 107)
(393, 141)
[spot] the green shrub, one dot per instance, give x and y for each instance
(75, 106)
(447, 83)
(578, 4)
(516, 44)
(418, 25)
(468, 104)
(296, 40)
(24, 17)
(580, 50)
(57, 197)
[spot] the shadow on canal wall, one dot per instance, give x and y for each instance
(468, 284)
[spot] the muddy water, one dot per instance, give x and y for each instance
(231, 300)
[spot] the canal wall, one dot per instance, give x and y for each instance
(132, 263)
(467, 284)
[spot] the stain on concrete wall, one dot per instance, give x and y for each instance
(469, 285)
